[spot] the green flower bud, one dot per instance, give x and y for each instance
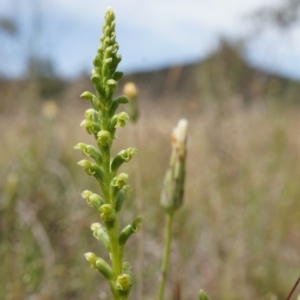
(108, 51)
(94, 100)
(125, 234)
(91, 114)
(95, 226)
(129, 230)
(114, 106)
(111, 85)
(96, 201)
(97, 62)
(87, 96)
(104, 268)
(107, 61)
(122, 156)
(109, 16)
(113, 39)
(115, 45)
(90, 126)
(86, 194)
(92, 169)
(104, 138)
(89, 151)
(96, 79)
(202, 295)
(92, 199)
(106, 40)
(100, 233)
(117, 76)
(136, 222)
(120, 180)
(99, 264)
(117, 184)
(107, 214)
(123, 284)
(123, 195)
(85, 163)
(91, 258)
(120, 119)
(123, 99)
(115, 63)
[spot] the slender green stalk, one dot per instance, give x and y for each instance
(116, 253)
(172, 193)
(166, 255)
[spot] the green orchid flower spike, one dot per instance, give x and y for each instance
(102, 121)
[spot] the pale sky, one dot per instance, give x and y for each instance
(151, 34)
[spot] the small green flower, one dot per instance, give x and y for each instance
(92, 199)
(128, 230)
(89, 151)
(120, 119)
(92, 169)
(120, 180)
(104, 138)
(122, 195)
(87, 96)
(107, 213)
(123, 282)
(90, 114)
(104, 268)
(101, 234)
(91, 258)
(121, 157)
(90, 126)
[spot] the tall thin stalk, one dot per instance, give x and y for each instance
(172, 194)
(166, 255)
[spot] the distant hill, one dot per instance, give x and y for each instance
(221, 75)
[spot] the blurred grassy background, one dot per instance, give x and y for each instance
(238, 234)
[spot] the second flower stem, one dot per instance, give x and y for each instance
(166, 255)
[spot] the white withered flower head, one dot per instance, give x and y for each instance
(179, 134)
(173, 188)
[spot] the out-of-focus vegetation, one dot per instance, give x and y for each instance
(238, 234)
(282, 16)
